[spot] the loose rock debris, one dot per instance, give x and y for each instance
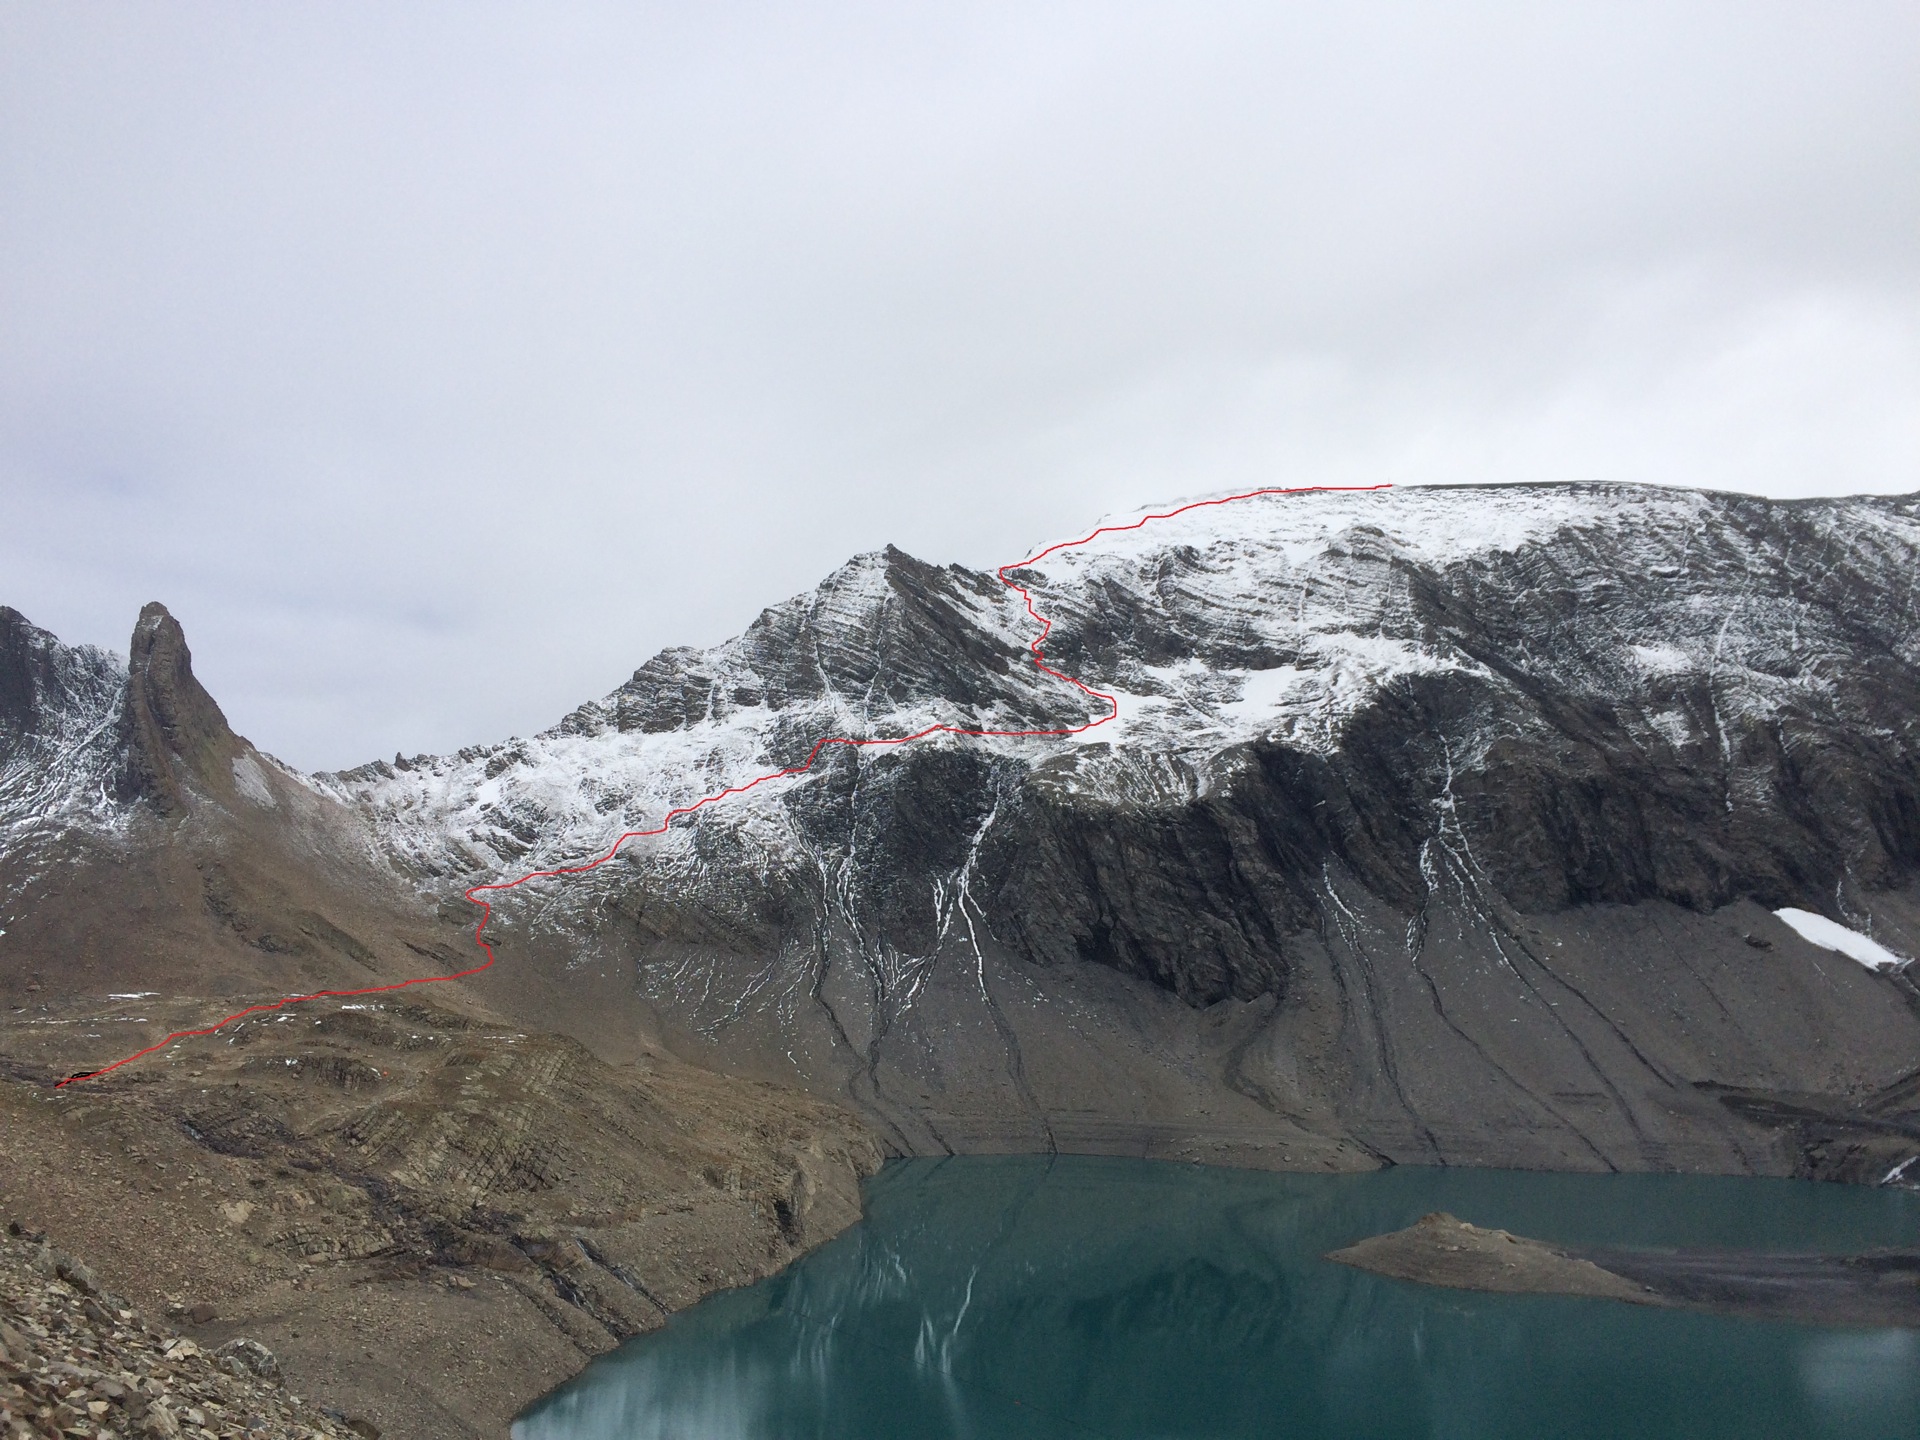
(79, 1363)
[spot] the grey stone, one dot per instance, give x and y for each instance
(251, 1357)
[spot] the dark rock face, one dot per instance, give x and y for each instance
(79, 730)
(173, 734)
(1377, 907)
(1591, 780)
(47, 688)
(1783, 803)
(29, 674)
(58, 711)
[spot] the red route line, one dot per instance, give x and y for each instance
(486, 907)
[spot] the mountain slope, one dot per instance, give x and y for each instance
(487, 1204)
(1428, 826)
(1432, 825)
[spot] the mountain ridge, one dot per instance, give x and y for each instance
(1650, 700)
(1434, 827)
(1445, 715)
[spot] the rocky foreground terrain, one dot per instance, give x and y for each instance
(429, 1211)
(76, 1360)
(1442, 826)
(428, 1220)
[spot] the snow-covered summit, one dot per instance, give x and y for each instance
(1279, 618)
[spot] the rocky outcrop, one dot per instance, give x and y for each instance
(175, 740)
(88, 743)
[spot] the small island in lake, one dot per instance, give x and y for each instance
(1875, 1287)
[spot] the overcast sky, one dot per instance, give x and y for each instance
(438, 364)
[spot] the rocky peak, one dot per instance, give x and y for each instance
(42, 681)
(883, 633)
(175, 738)
(27, 672)
(57, 709)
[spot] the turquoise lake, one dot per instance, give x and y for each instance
(1028, 1297)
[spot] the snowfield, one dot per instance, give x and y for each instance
(1830, 935)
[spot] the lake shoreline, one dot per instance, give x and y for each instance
(1032, 1297)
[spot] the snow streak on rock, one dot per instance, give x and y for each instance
(59, 713)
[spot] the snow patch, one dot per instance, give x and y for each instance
(1829, 935)
(1440, 526)
(1663, 659)
(1263, 693)
(251, 781)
